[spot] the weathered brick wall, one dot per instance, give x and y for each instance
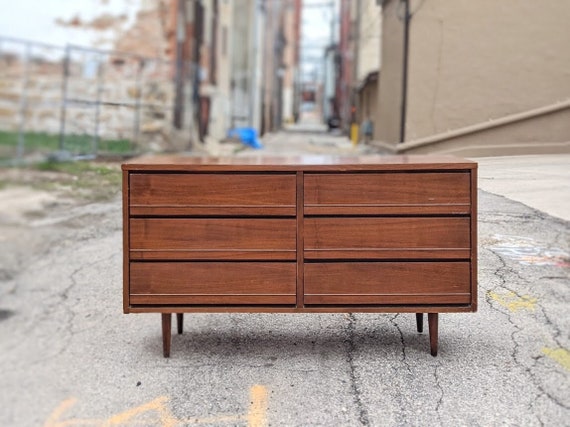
(110, 101)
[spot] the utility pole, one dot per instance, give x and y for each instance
(278, 47)
(255, 64)
(198, 37)
(179, 72)
(268, 69)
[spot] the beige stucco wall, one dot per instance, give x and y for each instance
(368, 59)
(387, 121)
(516, 137)
(368, 106)
(474, 61)
(368, 39)
(368, 96)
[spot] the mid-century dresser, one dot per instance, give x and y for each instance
(300, 234)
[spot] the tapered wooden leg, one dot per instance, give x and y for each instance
(180, 322)
(166, 327)
(433, 325)
(420, 322)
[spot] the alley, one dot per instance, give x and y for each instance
(109, 80)
(71, 357)
(306, 140)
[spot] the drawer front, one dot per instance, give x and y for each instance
(387, 283)
(212, 194)
(218, 238)
(212, 283)
(388, 193)
(406, 237)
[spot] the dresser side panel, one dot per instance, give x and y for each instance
(474, 240)
(126, 239)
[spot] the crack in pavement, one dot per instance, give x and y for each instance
(404, 359)
(68, 311)
(354, 383)
(441, 391)
(540, 388)
(500, 273)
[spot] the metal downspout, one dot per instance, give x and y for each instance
(405, 71)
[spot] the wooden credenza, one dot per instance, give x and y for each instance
(300, 234)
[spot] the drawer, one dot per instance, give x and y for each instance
(217, 238)
(387, 193)
(383, 238)
(387, 283)
(185, 283)
(171, 194)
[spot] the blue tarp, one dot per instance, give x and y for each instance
(246, 135)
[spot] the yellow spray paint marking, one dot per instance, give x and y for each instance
(513, 302)
(257, 416)
(157, 413)
(560, 355)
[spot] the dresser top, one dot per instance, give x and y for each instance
(188, 163)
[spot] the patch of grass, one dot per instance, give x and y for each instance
(84, 179)
(77, 144)
(72, 168)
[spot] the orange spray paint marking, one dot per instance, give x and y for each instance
(157, 413)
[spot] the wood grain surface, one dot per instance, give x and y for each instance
(387, 282)
(208, 238)
(249, 282)
(387, 193)
(378, 237)
(212, 194)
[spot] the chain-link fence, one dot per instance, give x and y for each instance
(76, 101)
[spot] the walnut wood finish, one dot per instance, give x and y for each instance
(180, 322)
(313, 234)
(387, 237)
(303, 163)
(166, 333)
(300, 241)
(387, 283)
(420, 322)
(126, 240)
(474, 261)
(178, 194)
(197, 282)
(215, 238)
(433, 323)
(387, 193)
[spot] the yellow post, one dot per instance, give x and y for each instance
(354, 130)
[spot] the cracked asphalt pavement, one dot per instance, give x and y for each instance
(69, 356)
